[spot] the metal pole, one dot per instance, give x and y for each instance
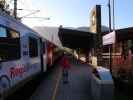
(110, 46)
(109, 15)
(110, 57)
(15, 9)
(113, 30)
(113, 15)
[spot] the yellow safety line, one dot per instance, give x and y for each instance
(56, 85)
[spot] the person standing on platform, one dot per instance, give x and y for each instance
(65, 68)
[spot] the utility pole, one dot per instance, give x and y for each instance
(15, 9)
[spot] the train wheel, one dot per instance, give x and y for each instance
(4, 85)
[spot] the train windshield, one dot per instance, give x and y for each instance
(9, 45)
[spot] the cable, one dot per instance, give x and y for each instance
(30, 13)
(45, 18)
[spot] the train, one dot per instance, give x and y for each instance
(23, 54)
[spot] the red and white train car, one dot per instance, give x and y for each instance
(23, 53)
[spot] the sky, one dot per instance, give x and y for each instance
(74, 13)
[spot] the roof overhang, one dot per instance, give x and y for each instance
(124, 34)
(76, 39)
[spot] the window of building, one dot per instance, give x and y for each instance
(33, 47)
(130, 45)
(124, 49)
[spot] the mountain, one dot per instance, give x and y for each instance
(87, 29)
(83, 28)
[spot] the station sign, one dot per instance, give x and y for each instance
(109, 38)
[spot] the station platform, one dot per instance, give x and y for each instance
(53, 88)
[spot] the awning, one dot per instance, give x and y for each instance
(124, 34)
(76, 39)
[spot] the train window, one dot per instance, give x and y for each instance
(3, 32)
(9, 48)
(13, 34)
(33, 47)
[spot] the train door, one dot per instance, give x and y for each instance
(34, 54)
(43, 52)
(50, 49)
